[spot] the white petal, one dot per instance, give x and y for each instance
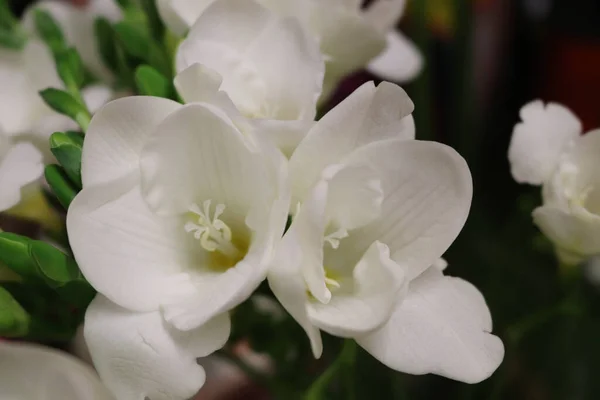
(576, 233)
(256, 51)
(385, 14)
(368, 302)
(116, 135)
(301, 245)
(138, 355)
(427, 195)
(355, 196)
(442, 327)
(197, 154)
(198, 84)
(20, 101)
(180, 15)
(55, 375)
(401, 61)
(22, 164)
(369, 114)
(539, 140)
(286, 135)
(125, 251)
(348, 41)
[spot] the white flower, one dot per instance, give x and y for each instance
(36, 373)
(176, 224)
(547, 149)
(268, 65)
(350, 37)
(20, 165)
(24, 73)
(376, 210)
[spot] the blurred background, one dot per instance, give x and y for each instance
(484, 60)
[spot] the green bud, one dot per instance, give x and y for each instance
(61, 185)
(54, 267)
(14, 320)
(70, 69)
(150, 82)
(12, 39)
(155, 24)
(137, 43)
(64, 103)
(105, 43)
(49, 30)
(14, 253)
(67, 150)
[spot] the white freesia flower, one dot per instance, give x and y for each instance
(176, 224)
(253, 64)
(37, 373)
(20, 164)
(547, 149)
(24, 73)
(350, 37)
(376, 210)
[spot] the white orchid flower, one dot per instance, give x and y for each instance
(350, 37)
(20, 165)
(547, 148)
(176, 224)
(253, 64)
(377, 209)
(37, 373)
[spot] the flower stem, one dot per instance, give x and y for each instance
(345, 360)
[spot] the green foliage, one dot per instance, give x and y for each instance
(11, 34)
(157, 28)
(138, 43)
(49, 30)
(62, 186)
(14, 320)
(70, 69)
(67, 148)
(105, 43)
(150, 82)
(64, 103)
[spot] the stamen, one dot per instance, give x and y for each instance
(334, 238)
(213, 233)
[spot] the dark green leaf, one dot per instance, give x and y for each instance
(12, 39)
(67, 150)
(154, 21)
(49, 30)
(137, 43)
(70, 69)
(150, 82)
(61, 185)
(105, 43)
(64, 103)
(7, 19)
(14, 320)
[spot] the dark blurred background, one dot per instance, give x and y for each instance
(486, 59)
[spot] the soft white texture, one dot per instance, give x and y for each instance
(34, 372)
(176, 224)
(375, 210)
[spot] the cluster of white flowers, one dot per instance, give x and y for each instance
(184, 206)
(548, 149)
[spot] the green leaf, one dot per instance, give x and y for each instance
(64, 103)
(61, 185)
(12, 39)
(49, 30)
(14, 320)
(155, 24)
(105, 43)
(7, 18)
(150, 82)
(137, 43)
(14, 253)
(70, 69)
(67, 150)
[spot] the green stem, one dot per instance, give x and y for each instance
(344, 359)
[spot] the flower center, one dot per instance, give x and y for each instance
(214, 234)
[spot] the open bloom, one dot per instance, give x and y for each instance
(350, 37)
(375, 211)
(253, 64)
(547, 149)
(176, 224)
(20, 165)
(36, 373)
